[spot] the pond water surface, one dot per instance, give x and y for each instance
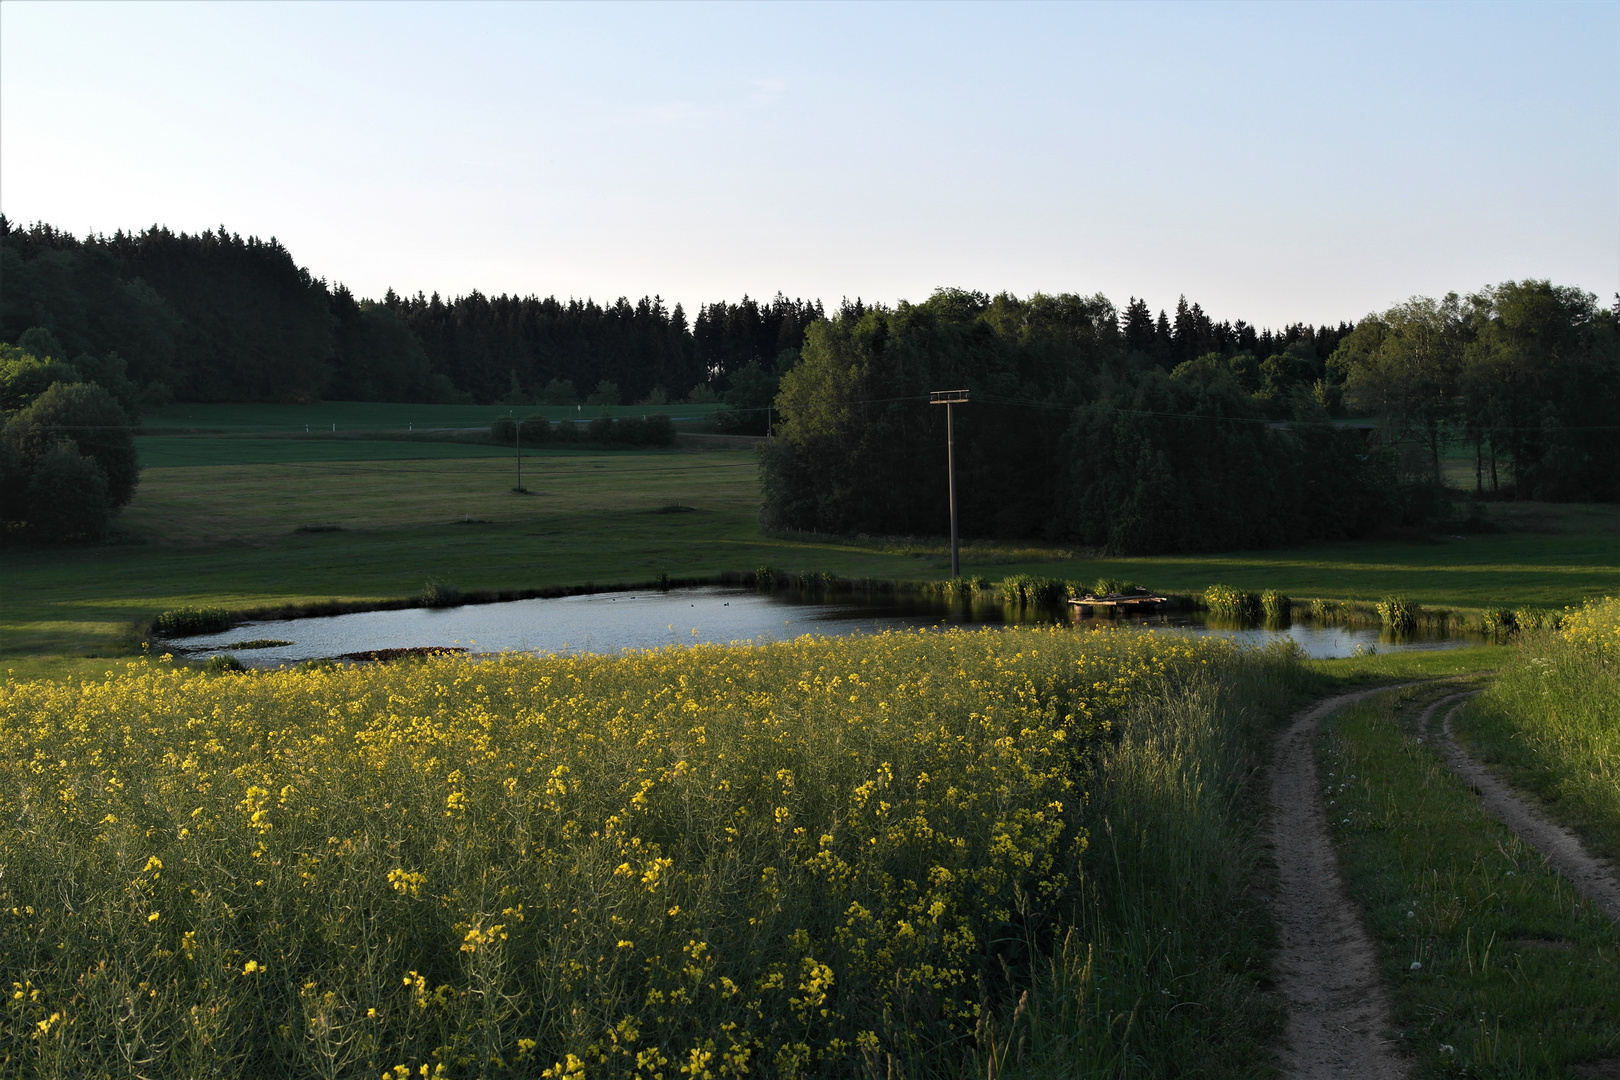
(609, 622)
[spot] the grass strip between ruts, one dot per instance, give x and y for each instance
(1498, 968)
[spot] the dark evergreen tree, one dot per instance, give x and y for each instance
(1138, 329)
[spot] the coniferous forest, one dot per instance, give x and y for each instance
(1087, 422)
(215, 317)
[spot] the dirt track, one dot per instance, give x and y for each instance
(1338, 1011)
(1592, 877)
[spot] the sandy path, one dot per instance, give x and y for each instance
(1593, 878)
(1338, 1010)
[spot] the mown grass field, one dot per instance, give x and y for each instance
(226, 534)
(373, 416)
(818, 858)
(176, 451)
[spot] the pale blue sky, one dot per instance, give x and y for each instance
(1275, 162)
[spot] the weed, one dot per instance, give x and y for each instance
(188, 621)
(1228, 603)
(436, 594)
(1275, 606)
(1398, 613)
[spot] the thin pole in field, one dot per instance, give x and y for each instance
(517, 441)
(949, 398)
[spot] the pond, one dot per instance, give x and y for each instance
(609, 622)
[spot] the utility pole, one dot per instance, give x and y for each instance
(517, 440)
(948, 398)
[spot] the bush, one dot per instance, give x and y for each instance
(23, 377)
(1398, 613)
(559, 392)
(66, 497)
(630, 431)
(504, 430)
(658, 431)
(601, 430)
(1275, 606)
(1326, 610)
(87, 416)
(436, 594)
(223, 663)
(1500, 622)
(189, 621)
(566, 431)
(1230, 603)
(1029, 589)
(1537, 619)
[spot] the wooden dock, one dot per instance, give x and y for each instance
(1132, 603)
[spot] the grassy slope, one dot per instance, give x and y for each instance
(1552, 723)
(225, 534)
(1489, 953)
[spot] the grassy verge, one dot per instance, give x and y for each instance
(1163, 969)
(1372, 669)
(814, 858)
(1498, 968)
(1552, 722)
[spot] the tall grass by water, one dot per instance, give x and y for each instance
(1552, 719)
(815, 858)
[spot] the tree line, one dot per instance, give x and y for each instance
(1116, 428)
(1070, 433)
(1523, 375)
(212, 316)
(1078, 431)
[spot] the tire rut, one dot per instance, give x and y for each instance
(1325, 964)
(1592, 877)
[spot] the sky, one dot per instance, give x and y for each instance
(1273, 162)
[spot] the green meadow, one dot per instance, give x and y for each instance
(342, 417)
(224, 512)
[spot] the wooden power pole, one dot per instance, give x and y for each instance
(949, 398)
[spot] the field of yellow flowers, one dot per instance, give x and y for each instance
(805, 858)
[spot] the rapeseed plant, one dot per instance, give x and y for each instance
(791, 859)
